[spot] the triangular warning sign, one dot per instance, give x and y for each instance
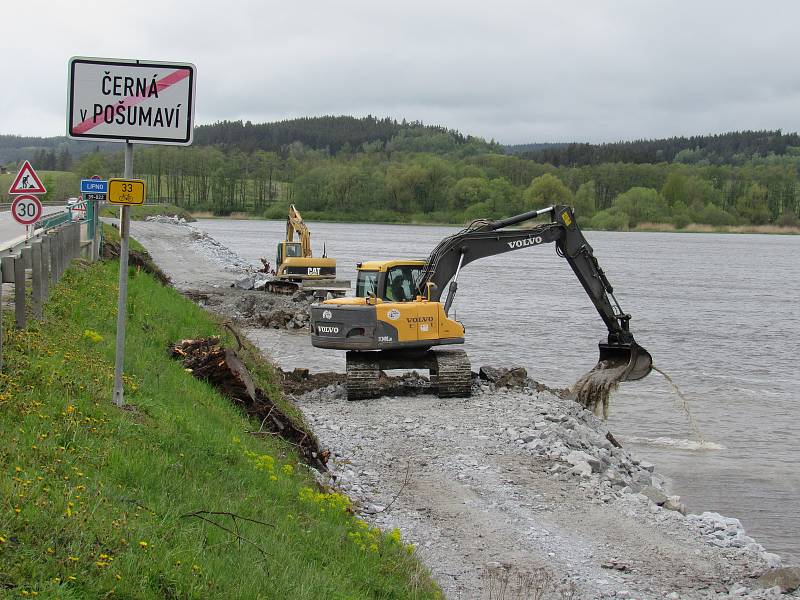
(27, 181)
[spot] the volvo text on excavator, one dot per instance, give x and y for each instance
(295, 265)
(397, 317)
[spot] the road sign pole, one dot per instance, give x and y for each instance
(124, 227)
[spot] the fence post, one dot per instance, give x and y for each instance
(8, 269)
(45, 267)
(76, 240)
(70, 244)
(19, 288)
(53, 244)
(96, 230)
(59, 253)
(36, 278)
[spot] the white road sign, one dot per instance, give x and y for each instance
(129, 100)
(26, 209)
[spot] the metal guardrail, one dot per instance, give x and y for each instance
(45, 256)
(7, 205)
(54, 220)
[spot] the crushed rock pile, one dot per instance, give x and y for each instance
(467, 440)
(167, 220)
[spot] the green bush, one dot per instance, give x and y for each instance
(278, 210)
(642, 204)
(681, 220)
(610, 220)
(585, 201)
(479, 210)
(712, 214)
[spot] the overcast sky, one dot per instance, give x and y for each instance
(527, 71)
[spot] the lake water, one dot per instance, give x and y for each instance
(719, 313)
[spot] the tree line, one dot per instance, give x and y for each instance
(728, 148)
(429, 175)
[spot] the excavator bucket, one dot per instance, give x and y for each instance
(638, 360)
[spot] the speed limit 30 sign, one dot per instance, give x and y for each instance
(26, 209)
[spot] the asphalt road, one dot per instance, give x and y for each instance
(10, 229)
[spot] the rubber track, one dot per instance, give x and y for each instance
(362, 379)
(453, 374)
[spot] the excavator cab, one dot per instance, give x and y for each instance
(394, 281)
(288, 250)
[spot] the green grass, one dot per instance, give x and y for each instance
(139, 213)
(93, 499)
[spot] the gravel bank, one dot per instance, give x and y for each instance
(519, 483)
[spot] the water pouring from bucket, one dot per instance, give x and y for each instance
(618, 362)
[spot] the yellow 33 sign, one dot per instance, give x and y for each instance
(126, 191)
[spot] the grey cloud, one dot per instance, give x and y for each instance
(513, 71)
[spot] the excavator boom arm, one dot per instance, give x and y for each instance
(295, 223)
(488, 238)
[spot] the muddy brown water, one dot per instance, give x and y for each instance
(718, 313)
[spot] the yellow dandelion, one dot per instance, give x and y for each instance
(142, 544)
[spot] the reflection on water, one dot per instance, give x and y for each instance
(718, 313)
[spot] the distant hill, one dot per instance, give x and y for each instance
(332, 133)
(521, 148)
(329, 133)
(726, 148)
(45, 151)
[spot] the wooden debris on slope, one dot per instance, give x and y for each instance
(140, 260)
(222, 368)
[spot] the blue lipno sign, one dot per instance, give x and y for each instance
(94, 186)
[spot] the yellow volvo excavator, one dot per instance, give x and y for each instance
(295, 263)
(396, 316)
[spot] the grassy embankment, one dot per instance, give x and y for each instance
(98, 502)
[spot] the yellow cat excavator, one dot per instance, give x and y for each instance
(396, 317)
(295, 265)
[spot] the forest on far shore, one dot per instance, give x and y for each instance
(344, 168)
